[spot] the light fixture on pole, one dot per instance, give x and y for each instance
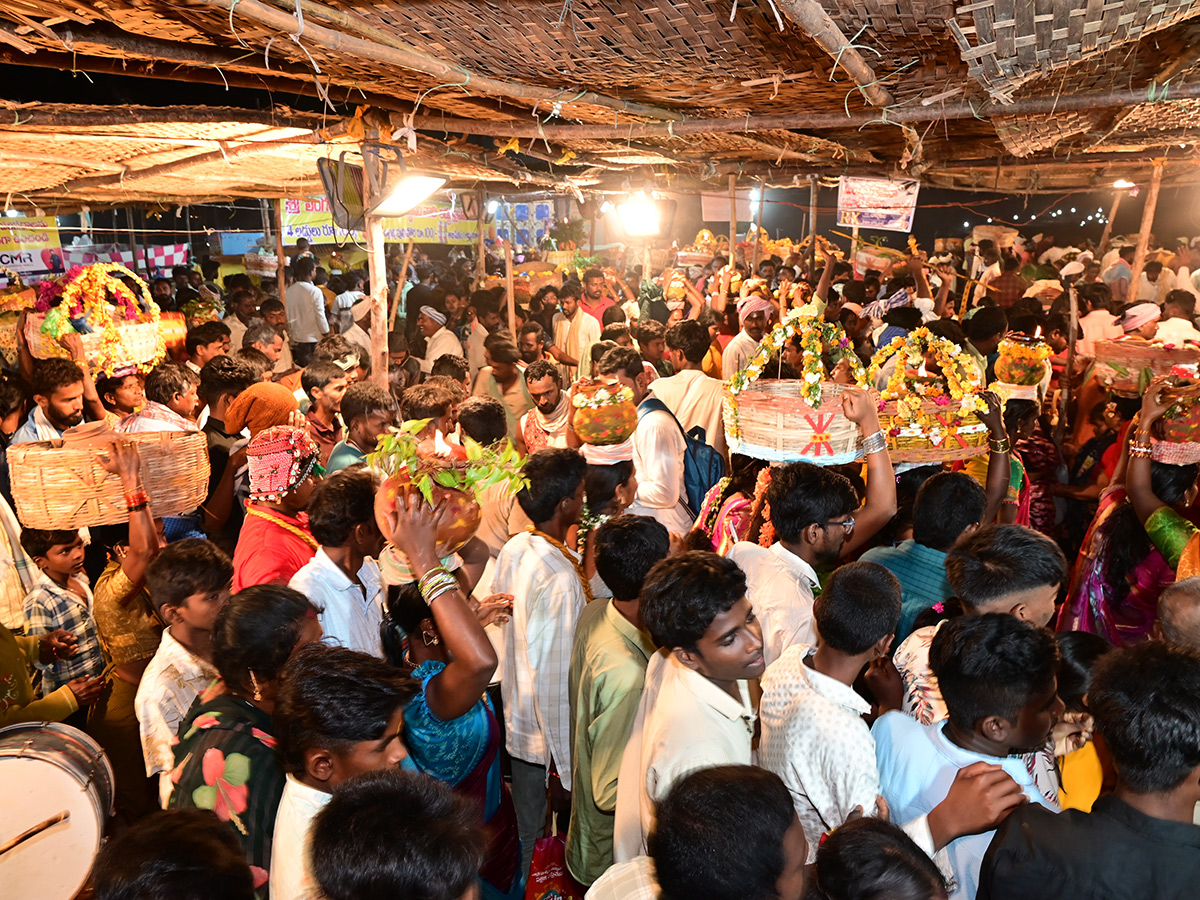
(403, 193)
(1123, 184)
(640, 215)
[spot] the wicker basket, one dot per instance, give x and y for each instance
(938, 434)
(771, 420)
(60, 484)
(1128, 365)
(139, 343)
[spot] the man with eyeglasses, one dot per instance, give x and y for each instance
(817, 520)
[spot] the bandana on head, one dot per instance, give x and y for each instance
(437, 315)
(1140, 314)
(751, 305)
(280, 458)
(611, 454)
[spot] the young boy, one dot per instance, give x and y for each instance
(188, 584)
(998, 678)
(171, 398)
(61, 599)
(368, 411)
(608, 669)
(325, 384)
(1138, 841)
(695, 710)
(433, 401)
(342, 580)
(544, 577)
(338, 714)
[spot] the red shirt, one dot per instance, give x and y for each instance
(597, 311)
(267, 552)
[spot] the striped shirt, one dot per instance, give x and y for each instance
(48, 607)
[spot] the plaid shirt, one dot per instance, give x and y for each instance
(48, 607)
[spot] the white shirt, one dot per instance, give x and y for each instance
(917, 765)
(695, 399)
(575, 337)
(1098, 325)
(990, 274)
(658, 448)
(632, 880)
(350, 613)
(173, 679)
(476, 356)
(1176, 331)
(780, 587)
(1157, 290)
(814, 738)
(359, 339)
(236, 331)
(291, 872)
(684, 722)
(737, 353)
(442, 343)
(547, 600)
(305, 312)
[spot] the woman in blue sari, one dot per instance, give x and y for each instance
(450, 729)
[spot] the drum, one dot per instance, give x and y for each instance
(56, 792)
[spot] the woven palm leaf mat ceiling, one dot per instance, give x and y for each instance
(587, 95)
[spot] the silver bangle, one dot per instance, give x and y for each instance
(874, 443)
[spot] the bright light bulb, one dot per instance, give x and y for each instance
(639, 215)
(989, 221)
(1072, 209)
(492, 206)
(1122, 184)
(411, 189)
(966, 224)
(12, 213)
(606, 207)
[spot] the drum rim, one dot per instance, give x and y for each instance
(98, 762)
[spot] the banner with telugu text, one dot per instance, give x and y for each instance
(884, 204)
(30, 246)
(433, 222)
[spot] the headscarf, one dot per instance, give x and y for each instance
(1140, 314)
(436, 314)
(280, 458)
(259, 407)
(751, 305)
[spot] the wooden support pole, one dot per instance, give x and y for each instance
(854, 248)
(377, 271)
(508, 286)
(1139, 257)
(1073, 326)
(812, 226)
(399, 298)
(481, 251)
(762, 193)
(733, 219)
(280, 256)
(592, 231)
(137, 251)
(1112, 217)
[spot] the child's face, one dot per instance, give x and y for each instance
(199, 610)
(63, 560)
(366, 756)
(1035, 720)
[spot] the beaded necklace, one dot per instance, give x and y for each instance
(562, 548)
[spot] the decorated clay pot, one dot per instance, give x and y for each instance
(604, 413)
(458, 524)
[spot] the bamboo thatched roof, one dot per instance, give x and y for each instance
(1010, 95)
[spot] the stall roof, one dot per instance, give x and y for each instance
(1009, 95)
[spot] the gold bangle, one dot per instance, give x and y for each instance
(1001, 446)
(1140, 451)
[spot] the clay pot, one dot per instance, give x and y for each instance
(459, 523)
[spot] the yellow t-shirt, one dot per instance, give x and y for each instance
(1082, 777)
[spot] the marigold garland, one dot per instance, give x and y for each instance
(816, 336)
(960, 379)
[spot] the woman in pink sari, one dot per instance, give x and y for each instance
(725, 514)
(1120, 573)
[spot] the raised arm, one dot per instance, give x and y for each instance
(73, 344)
(122, 460)
(1137, 473)
(880, 505)
(457, 688)
(999, 469)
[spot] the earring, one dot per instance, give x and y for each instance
(430, 638)
(257, 689)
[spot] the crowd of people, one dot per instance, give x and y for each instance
(712, 678)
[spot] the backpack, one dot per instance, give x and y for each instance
(702, 464)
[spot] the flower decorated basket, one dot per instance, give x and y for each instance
(119, 328)
(795, 420)
(1177, 433)
(1128, 365)
(1022, 360)
(929, 405)
(604, 413)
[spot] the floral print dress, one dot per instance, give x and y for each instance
(225, 761)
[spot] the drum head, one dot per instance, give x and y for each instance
(54, 864)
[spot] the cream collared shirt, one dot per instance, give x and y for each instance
(684, 722)
(780, 587)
